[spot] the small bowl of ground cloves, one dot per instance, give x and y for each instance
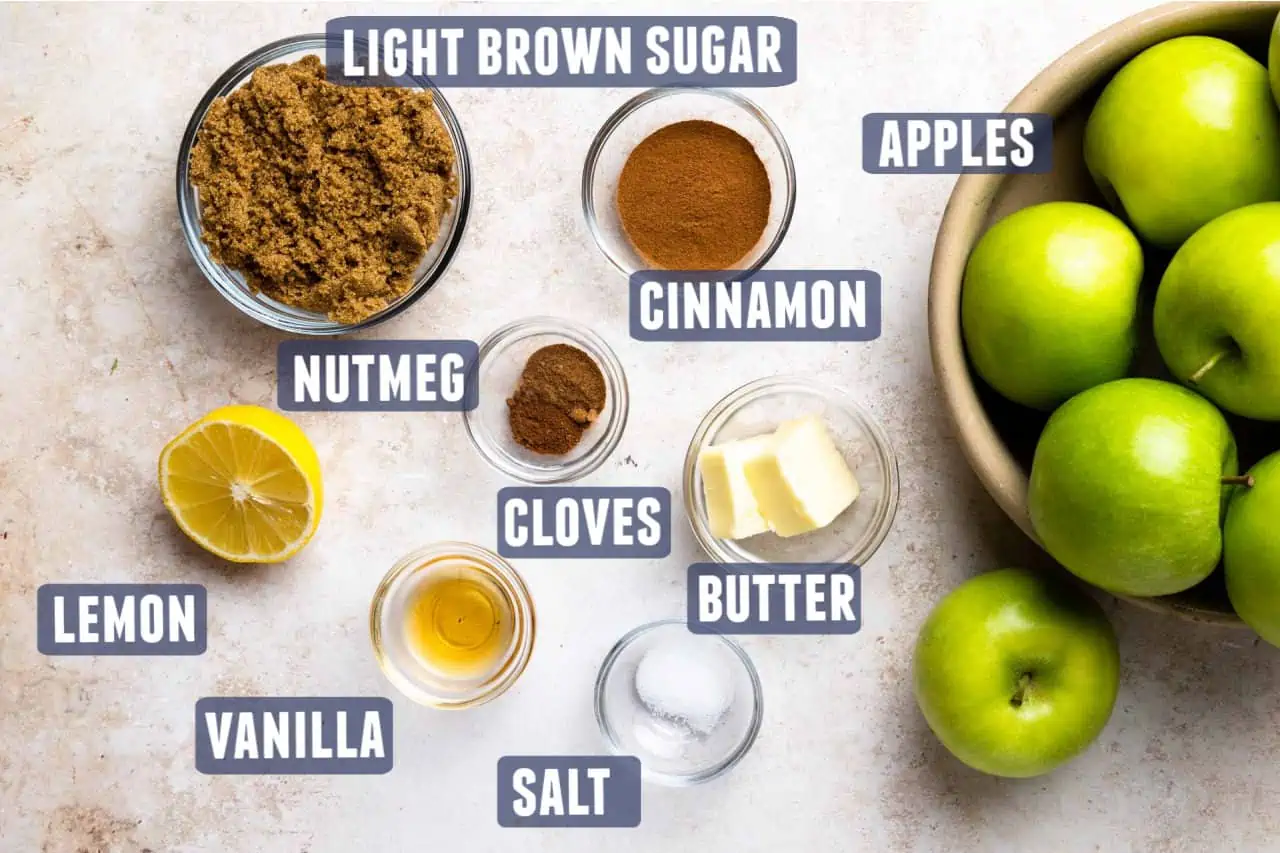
(688, 179)
(553, 400)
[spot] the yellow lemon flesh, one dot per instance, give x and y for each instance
(244, 483)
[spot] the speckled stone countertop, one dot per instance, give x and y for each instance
(113, 342)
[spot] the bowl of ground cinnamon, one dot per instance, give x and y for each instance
(552, 400)
(319, 208)
(688, 179)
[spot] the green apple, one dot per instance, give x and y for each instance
(1127, 486)
(1273, 59)
(1217, 311)
(1050, 302)
(1016, 673)
(1184, 132)
(1251, 549)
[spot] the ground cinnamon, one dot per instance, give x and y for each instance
(694, 195)
(560, 394)
(325, 197)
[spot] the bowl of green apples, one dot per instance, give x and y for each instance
(1106, 336)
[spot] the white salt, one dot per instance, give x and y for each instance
(686, 682)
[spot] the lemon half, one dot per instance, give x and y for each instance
(244, 483)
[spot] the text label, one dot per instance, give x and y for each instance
(770, 305)
(240, 735)
(121, 619)
(376, 376)
(956, 143)
(554, 50)
(584, 521)
(774, 598)
(569, 790)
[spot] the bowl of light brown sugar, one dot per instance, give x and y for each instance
(688, 179)
(319, 208)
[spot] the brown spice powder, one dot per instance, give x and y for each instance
(325, 197)
(560, 393)
(694, 196)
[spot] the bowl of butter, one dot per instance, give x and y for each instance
(789, 470)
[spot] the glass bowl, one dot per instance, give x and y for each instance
(502, 358)
(231, 284)
(652, 110)
(402, 666)
(675, 747)
(759, 407)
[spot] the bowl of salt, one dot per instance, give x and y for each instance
(687, 705)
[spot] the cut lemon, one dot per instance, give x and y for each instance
(244, 483)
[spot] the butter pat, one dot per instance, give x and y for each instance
(801, 482)
(731, 508)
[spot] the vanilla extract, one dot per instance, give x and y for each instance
(459, 622)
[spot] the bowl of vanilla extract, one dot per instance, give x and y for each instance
(452, 625)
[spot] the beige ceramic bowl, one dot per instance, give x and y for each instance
(999, 437)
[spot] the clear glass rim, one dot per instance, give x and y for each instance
(220, 277)
(858, 552)
(635, 103)
(611, 736)
(615, 382)
(522, 641)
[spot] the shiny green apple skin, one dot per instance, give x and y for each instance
(1126, 486)
(1217, 311)
(1273, 60)
(1016, 673)
(1183, 133)
(1251, 546)
(1050, 301)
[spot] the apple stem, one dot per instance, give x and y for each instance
(1020, 694)
(1207, 366)
(1245, 480)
